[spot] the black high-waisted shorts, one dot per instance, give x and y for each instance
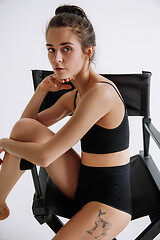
(108, 185)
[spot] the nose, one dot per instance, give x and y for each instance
(58, 57)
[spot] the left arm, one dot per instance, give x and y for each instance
(28, 150)
(91, 108)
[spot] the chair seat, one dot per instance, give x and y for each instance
(145, 196)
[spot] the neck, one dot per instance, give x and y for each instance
(82, 80)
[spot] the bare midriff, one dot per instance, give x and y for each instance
(106, 160)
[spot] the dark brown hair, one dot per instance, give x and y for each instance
(75, 18)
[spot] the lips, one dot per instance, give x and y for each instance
(59, 69)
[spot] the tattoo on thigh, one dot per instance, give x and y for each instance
(101, 227)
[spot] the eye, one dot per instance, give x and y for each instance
(51, 50)
(67, 49)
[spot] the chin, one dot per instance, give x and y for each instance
(62, 75)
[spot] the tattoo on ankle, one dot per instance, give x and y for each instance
(101, 227)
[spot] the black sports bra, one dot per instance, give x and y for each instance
(100, 140)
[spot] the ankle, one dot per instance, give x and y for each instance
(2, 202)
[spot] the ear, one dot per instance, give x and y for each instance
(90, 51)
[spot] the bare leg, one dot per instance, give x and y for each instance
(94, 221)
(9, 175)
(64, 172)
(33, 131)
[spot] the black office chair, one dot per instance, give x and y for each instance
(49, 203)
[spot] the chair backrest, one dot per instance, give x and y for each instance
(134, 88)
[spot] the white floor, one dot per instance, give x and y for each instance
(21, 224)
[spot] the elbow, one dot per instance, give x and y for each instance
(45, 160)
(44, 163)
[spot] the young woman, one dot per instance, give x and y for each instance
(99, 180)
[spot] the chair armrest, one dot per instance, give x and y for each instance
(153, 132)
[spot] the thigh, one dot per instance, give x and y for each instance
(94, 221)
(28, 129)
(64, 171)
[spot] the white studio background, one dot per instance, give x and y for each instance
(128, 41)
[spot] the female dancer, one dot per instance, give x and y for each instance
(99, 180)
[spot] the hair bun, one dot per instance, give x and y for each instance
(71, 9)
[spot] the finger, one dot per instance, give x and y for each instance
(60, 80)
(53, 82)
(68, 87)
(67, 79)
(52, 78)
(65, 86)
(56, 81)
(53, 75)
(1, 150)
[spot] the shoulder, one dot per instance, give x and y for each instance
(95, 99)
(102, 94)
(102, 91)
(107, 89)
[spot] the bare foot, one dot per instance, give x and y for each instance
(4, 211)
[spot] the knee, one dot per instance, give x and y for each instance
(21, 128)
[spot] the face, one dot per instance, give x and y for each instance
(64, 52)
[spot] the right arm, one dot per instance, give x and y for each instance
(32, 108)
(62, 108)
(59, 110)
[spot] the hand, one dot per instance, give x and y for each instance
(1, 150)
(51, 83)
